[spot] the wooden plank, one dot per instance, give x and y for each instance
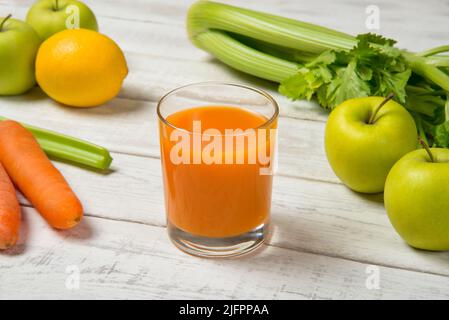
(159, 68)
(130, 126)
(135, 36)
(134, 261)
(307, 215)
(155, 70)
(151, 77)
(412, 23)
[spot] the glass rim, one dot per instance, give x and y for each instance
(261, 92)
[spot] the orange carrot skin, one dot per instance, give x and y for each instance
(34, 174)
(9, 212)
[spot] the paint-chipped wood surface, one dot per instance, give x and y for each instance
(326, 242)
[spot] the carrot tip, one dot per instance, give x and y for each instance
(7, 245)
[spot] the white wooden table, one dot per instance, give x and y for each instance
(328, 242)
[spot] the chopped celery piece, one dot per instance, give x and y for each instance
(70, 149)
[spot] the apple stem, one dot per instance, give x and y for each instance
(4, 21)
(426, 147)
(56, 5)
(374, 114)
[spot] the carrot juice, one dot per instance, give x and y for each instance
(216, 162)
(216, 200)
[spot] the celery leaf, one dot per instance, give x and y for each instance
(373, 67)
(441, 135)
(348, 83)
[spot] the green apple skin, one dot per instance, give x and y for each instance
(47, 21)
(362, 154)
(417, 199)
(19, 44)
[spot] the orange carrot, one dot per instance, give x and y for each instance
(9, 212)
(37, 178)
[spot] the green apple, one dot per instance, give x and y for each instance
(365, 137)
(48, 17)
(18, 48)
(417, 198)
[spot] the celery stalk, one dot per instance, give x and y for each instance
(280, 49)
(210, 25)
(420, 66)
(438, 61)
(216, 27)
(245, 58)
(70, 149)
(204, 16)
(434, 51)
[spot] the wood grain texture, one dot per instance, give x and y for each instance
(130, 126)
(128, 260)
(416, 24)
(309, 216)
(324, 234)
(139, 27)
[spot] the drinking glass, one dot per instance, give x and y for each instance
(218, 143)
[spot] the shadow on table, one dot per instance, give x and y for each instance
(35, 94)
(83, 231)
(114, 107)
(375, 197)
(245, 78)
(21, 245)
(105, 172)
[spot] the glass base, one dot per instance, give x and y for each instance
(217, 247)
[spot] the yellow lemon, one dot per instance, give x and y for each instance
(80, 68)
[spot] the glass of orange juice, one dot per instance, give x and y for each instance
(218, 154)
